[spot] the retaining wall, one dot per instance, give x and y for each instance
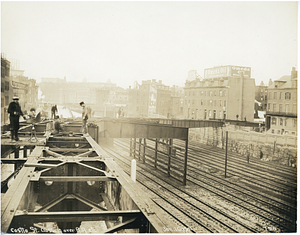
(267, 147)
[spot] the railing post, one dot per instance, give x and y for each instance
(133, 170)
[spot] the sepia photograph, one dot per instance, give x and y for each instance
(149, 117)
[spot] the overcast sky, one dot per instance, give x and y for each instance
(135, 41)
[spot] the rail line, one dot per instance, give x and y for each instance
(272, 199)
(282, 223)
(197, 211)
(237, 169)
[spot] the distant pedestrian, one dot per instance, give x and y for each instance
(53, 111)
(86, 112)
(15, 112)
(261, 155)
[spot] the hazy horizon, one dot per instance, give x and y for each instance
(135, 41)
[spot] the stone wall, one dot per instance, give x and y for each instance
(248, 143)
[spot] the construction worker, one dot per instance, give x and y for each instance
(86, 113)
(15, 112)
(53, 111)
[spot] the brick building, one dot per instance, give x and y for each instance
(154, 99)
(226, 92)
(281, 115)
(6, 90)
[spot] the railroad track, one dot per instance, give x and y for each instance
(209, 159)
(286, 175)
(261, 211)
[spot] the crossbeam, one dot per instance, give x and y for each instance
(75, 216)
(76, 178)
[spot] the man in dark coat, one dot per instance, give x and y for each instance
(15, 112)
(53, 111)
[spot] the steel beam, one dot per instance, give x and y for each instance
(76, 178)
(74, 216)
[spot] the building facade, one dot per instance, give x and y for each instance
(14, 83)
(59, 91)
(226, 92)
(154, 99)
(6, 89)
(261, 96)
(281, 115)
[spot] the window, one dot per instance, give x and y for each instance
(215, 93)
(6, 85)
(287, 108)
(220, 103)
(220, 114)
(294, 108)
(215, 103)
(210, 103)
(281, 122)
(185, 102)
(275, 95)
(280, 107)
(210, 93)
(288, 95)
(269, 106)
(220, 93)
(224, 92)
(193, 101)
(272, 131)
(280, 95)
(224, 103)
(202, 92)
(201, 102)
(270, 95)
(274, 107)
(209, 113)
(274, 121)
(285, 122)
(294, 122)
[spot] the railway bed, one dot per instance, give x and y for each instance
(270, 214)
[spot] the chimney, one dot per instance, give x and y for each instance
(293, 73)
(270, 82)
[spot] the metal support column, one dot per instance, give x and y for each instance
(155, 158)
(185, 157)
(144, 152)
(170, 144)
(226, 153)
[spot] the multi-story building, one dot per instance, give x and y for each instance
(6, 89)
(261, 96)
(59, 91)
(154, 99)
(14, 83)
(26, 89)
(281, 115)
(226, 92)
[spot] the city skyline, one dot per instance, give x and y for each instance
(134, 41)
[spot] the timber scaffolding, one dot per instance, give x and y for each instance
(67, 178)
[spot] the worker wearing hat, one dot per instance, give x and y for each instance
(15, 112)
